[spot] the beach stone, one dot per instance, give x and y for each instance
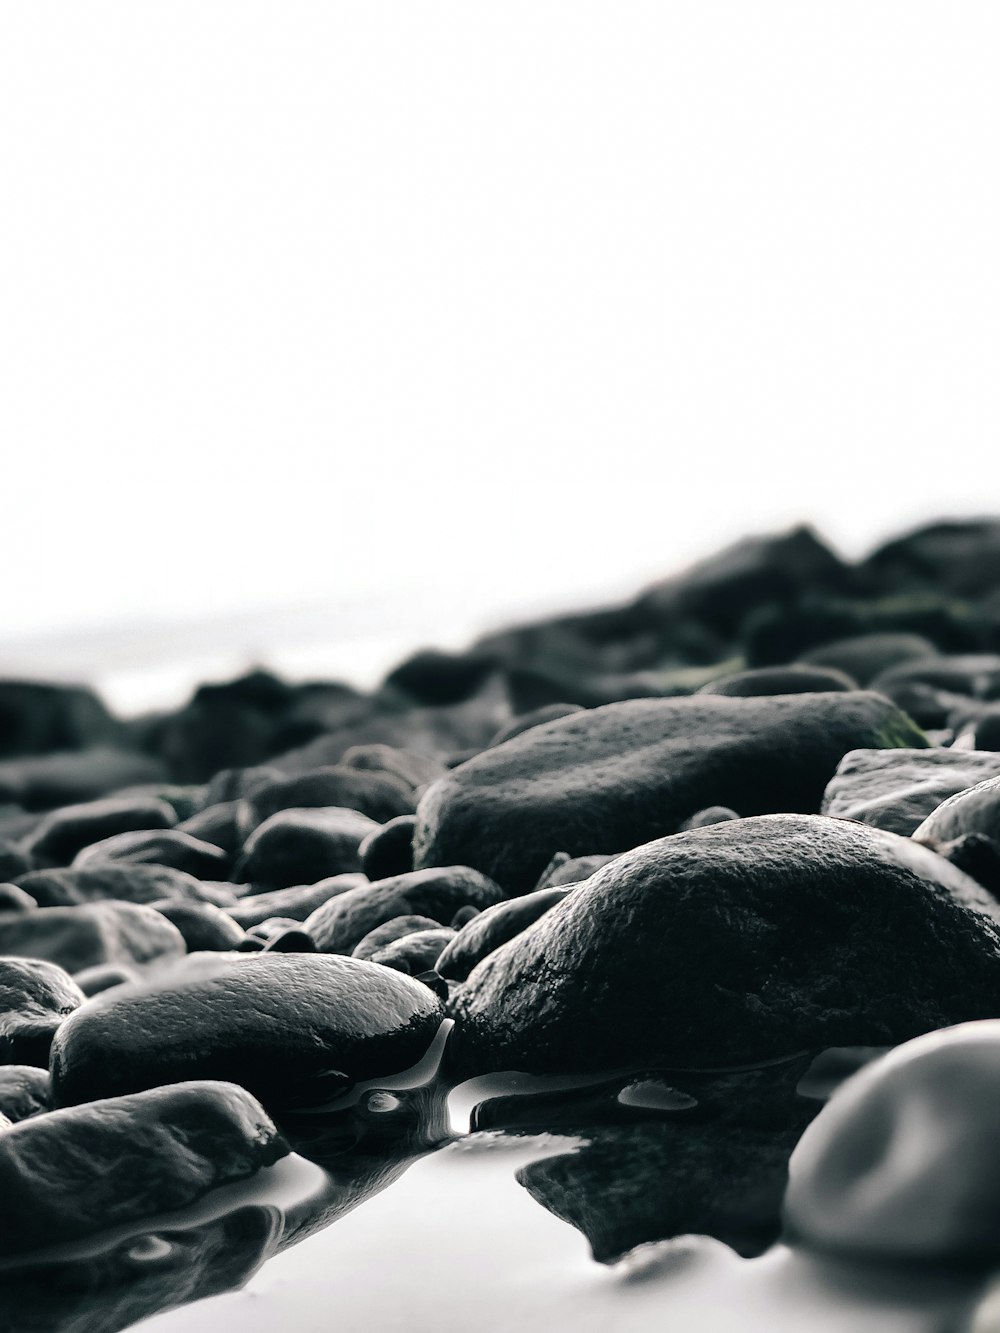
(713, 814)
(112, 880)
(897, 789)
(14, 899)
(43, 782)
(76, 1171)
(232, 784)
(415, 952)
(416, 771)
(35, 997)
(492, 927)
(865, 656)
(974, 810)
(217, 824)
(612, 778)
(304, 846)
(202, 925)
(902, 1162)
(961, 556)
(431, 676)
(167, 847)
(288, 1027)
(536, 718)
(389, 931)
(795, 679)
(734, 943)
(389, 849)
(67, 831)
(378, 795)
(296, 902)
(103, 976)
(975, 675)
(340, 924)
(291, 939)
(25, 1091)
(570, 870)
(100, 932)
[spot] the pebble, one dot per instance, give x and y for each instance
(303, 847)
(389, 850)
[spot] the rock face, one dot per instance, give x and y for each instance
(896, 790)
(67, 1174)
(34, 999)
(79, 937)
(612, 778)
(902, 1162)
(289, 1027)
(742, 941)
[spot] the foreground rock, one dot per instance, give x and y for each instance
(70, 1173)
(612, 778)
(897, 789)
(79, 937)
(292, 1028)
(34, 999)
(902, 1163)
(745, 940)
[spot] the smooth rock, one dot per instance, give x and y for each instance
(42, 782)
(65, 832)
(202, 925)
(169, 847)
(79, 937)
(795, 679)
(14, 899)
(974, 810)
(713, 814)
(492, 927)
(304, 846)
(297, 902)
(415, 952)
(217, 824)
(14, 861)
(389, 850)
(389, 931)
(103, 976)
(380, 796)
(897, 789)
(865, 656)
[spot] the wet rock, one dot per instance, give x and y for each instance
(14, 899)
(297, 902)
(897, 789)
(378, 795)
(24, 1091)
(536, 718)
(303, 847)
(79, 937)
(112, 880)
(46, 781)
(902, 1163)
(291, 1028)
(779, 680)
(168, 847)
(77, 1171)
(389, 850)
(217, 824)
(396, 929)
(340, 924)
(416, 952)
(492, 927)
(866, 656)
(37, 717)
(35, 997)
(202, 925)
(65, 832)
(742, 941)
(974, 810)
(103, 976)
(713, 814)
(615, 777)
(13, 861)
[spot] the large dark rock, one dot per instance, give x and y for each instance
(70, 1173)
(340, 924)
(303, 847)
(743, 941)
(289, 1027)
(389, 850)
(37, 717)
(795, 679)
(203, 925)
(35, 997)
(67, 831)
(79, 937)
(897, 789)
(611, 778)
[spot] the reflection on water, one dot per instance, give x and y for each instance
(408, 1204)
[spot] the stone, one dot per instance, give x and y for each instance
(79, 937)
(865, 656)
(43, 782)
(389, 850)
(303, 846)
(103, 976)
(380, 796)
(417, 771)
(897, 789)
(67, 831)
(168, 847)
(291, 1028)
(431, 676)
(395, 929)
(739, 942)
(901, 1163)
(217, 824)
(35, 997)
(202, 925)
(120, 881)
(14, 899)
(25, 1091)
(795, 679)
(297, 902)
(492, 927)
(14, 861)
(80, 1170)
(37, 717)
(570, 870)
(974, 810)
(415, 952)
(615, 777)
(536, 718)
(340, 924)
(713, 814)
(961, 556)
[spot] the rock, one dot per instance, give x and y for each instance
(974, 810)
(713, 814)
(303, 847)
(389, 849)
(735, 943)
(340, 924)
(378, 795)
(417, 771)
(416, 952)
(288, 1027)
(794, 679)
(897, 789)
(866, 656)
(398, 928)
(962, 557)
(106, 880)
(570, 870)
(232, 784)
(169, 847)
(536, 718)
(293, 939)
(79, 937)
(901, 1164)
(234, 724)
(14, 899)
(80, 1170)
(103, 976)
(67, 831)
(13, 861)
(492, 927)
(434, 677)
(615, 777)
(24, 1091)
(973, 675)
(46, 781)
(35, 997)
(217, 824)
(296, 903)
(202, 925)
(37, 717)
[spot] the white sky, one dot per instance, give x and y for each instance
(464, 303)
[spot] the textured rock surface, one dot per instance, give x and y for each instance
(25, 1091)
(897, 791)
(611, 778)
(35, 997)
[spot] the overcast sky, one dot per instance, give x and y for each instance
(450, 305)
